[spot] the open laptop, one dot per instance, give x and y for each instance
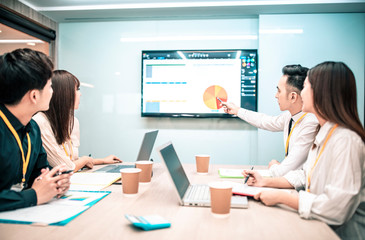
(143, 154)
(190, 195)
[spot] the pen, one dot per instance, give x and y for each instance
(220, 100)
(248, 175)
(64, 172)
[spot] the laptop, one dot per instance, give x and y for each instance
(190, 195)
(143, 154)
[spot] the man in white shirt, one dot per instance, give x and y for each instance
(299, 128)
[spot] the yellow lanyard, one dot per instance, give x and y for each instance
(25, 160)
(287, 140)
(64, 148)
(319, 155)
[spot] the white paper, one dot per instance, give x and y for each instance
(43, 214)
(57, 210)
(240, 188)
(93, 181)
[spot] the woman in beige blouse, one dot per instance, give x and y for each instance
(60, 129)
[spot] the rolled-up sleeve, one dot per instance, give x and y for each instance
(337, 182)
(296, 179)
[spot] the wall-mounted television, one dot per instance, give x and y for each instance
(188, 83)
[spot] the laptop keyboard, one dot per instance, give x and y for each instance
(114, 168)
(198, 193)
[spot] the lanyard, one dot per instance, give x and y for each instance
(287, 140)
(25, 160)
(70, 146)
(319, 155)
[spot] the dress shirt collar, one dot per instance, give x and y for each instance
(296, 116)
(322, 134)
(17, 125)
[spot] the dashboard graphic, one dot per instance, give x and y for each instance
(211, 94)
(186, 83)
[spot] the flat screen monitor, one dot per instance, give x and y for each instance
(189, 83)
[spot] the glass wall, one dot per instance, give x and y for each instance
(11, 39)
(107, 55)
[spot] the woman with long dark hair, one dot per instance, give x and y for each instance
(332, 183)
(59, 127)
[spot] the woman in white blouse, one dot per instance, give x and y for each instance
(60, 129)
(332, 183)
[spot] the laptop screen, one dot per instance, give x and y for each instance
(175, 168)
(147, 145)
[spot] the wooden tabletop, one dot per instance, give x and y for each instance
(105, 220)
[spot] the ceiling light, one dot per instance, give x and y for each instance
(187, 38)
(20, 41)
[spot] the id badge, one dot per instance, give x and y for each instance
(17, 187)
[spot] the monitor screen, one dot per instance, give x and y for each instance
(190, 83)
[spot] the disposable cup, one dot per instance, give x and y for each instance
(202, 163)
(146, 173)
(130, 180)
(220, 197)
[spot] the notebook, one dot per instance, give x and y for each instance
(190, 195)
(143, 154)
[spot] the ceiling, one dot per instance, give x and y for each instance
(125, 10)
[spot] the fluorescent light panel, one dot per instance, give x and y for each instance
(20, 41)
(187, 38)
(180, 4)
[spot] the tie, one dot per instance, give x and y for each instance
(290, 123)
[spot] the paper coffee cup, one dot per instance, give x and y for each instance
(220, 198)
(202, 163)
(145, 175)
(130, 180)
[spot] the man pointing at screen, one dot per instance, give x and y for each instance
(299, 128)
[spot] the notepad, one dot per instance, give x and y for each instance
(237, 173)
(244, 190)
(93, 181)
(57, 212)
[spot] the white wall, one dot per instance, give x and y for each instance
(109, 114)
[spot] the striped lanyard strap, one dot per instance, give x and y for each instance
(319, 155)
(25, 160)
(291, 131)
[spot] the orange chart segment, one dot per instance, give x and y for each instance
(211, 94)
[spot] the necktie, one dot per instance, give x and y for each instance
(290, 123)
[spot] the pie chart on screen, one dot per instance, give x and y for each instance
(211, 94)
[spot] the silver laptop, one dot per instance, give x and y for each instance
(190, 195)
(143, 154)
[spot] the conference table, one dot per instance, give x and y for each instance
(105, 220)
